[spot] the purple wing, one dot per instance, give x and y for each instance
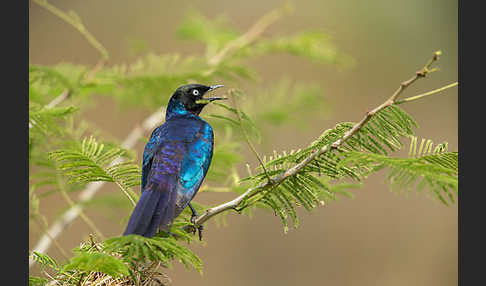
(156, 206)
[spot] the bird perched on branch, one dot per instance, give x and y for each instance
(175, 162)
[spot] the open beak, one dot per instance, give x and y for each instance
(211, 88)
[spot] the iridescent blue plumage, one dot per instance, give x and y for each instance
(175, 161)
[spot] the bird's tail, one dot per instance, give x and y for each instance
(152, 211)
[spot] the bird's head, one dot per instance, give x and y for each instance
(190, 99)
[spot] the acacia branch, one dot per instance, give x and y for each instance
(87, 220)
(432, 92)
(276, 180)
(249, 36)
(247, 138)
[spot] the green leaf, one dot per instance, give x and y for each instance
(142, 249)
(437, 171)
(97, 262)
(37, 281)
(92, 161)
(44, 260)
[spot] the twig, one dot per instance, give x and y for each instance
(276, 180)
(43, 227)
(412, 98)
(67, 92)
(63, 96)
(250, 144)
(83, 216)
(247, 38)
(74, 21)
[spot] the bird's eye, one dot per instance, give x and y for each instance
(195, 92)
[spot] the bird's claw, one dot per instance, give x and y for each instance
(198, 227)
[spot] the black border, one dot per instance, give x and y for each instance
(14, 210)
(470, 144)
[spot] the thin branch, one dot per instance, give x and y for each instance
(86, 219)
(251, 35)
(74, 21)
(63, 96)
(412, 98)
(276, 180)
(250, 144)
(67, 92)
(43, 227)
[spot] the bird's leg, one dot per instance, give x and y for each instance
(193, 221)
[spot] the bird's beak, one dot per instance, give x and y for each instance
(211, 88)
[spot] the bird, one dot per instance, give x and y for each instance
(176, 160)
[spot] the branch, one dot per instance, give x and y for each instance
(250, 36)
(240, 120)
(412, 98)
(87, 220)
(74, 21)
(276, 180)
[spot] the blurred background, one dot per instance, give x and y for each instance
(377, 238)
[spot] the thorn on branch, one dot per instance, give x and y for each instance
(422, 73)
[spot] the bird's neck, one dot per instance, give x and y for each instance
(176, 108)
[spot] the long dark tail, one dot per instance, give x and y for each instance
(154, 209)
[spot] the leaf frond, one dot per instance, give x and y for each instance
(92, 161)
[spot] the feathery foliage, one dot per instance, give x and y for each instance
(437, 169)
(363, 153)
(43, 119)
(138, 249)
(91, 161)
(97, 262)
(44, 260)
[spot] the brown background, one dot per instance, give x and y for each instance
(378, 238)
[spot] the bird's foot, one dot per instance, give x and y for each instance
(198, 227)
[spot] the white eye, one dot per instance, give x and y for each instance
(195, 92)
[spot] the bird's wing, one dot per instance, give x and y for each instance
(157, 203)
(148, 153)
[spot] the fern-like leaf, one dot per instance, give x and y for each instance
(437, 171)
(91, 161)
(44, 260)
(44, 119)
(97, 262)
(136, 248)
